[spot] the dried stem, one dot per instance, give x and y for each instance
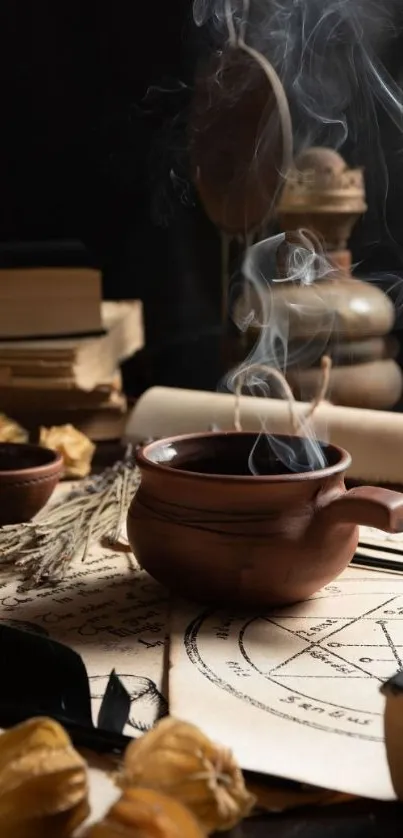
(95, 509)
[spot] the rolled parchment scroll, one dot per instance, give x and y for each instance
(374, 438)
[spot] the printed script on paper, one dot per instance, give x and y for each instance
(114, 615)
(296, 693)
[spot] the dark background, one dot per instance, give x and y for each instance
(93, 168)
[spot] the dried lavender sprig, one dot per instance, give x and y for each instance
(47, 566)
(91, 512)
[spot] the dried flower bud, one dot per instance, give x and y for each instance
(145, 813)
(43, 781)
(11, 431)
(76, 449)
(178, 759)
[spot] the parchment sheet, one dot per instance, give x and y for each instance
(114, 615)
(296, 693)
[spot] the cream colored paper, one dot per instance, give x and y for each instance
(381, 547)
(103, 793)
(374, 438)
(296, 693)
(376, 538)
(114, 615)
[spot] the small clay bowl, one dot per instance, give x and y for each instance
(28, 476)
(205, 526)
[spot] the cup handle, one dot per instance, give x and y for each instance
(368, 506)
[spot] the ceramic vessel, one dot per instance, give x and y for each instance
(28, 476)
(205, 526)
(342, 308)
(324, 195)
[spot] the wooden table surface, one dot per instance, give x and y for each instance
(360, 819)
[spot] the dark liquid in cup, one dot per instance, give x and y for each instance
(244, 457)
(240, 468)
(15, 457)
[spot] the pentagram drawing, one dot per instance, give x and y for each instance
(318, 664)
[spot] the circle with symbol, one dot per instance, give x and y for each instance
(320, 663)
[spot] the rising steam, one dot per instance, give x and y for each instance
(325, 53)
(271, 316)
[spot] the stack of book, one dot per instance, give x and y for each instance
(61, 348)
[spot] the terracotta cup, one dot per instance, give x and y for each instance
(28, 476)
(205, 526)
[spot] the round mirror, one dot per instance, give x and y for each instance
(240, 139)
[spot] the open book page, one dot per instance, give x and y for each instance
(380, 549)
(296, 692)
(377, 538)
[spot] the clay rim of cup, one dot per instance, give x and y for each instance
(142, 457)
(43, 459)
